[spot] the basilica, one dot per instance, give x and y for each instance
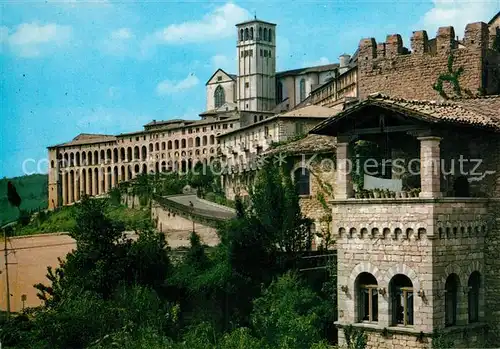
(417, 261)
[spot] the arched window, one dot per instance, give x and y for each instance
(136, 153)
(367, 293)
(265, 34)
(241, 34)
(246, 34)
(301, 176)
(279, 92)
(151, 147)
(251, 33)
(451, 300)
(302, 92)
(219, 96)
(169, 145)
(212, 139)
(260, 34)
(197, 141)
(474, 285)
(401, 293)
(163, 145)
(183, 143)
(270, 35)
(144, 152)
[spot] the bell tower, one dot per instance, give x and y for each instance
(256, 51)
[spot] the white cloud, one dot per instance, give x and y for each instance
(224, 62)
(166, 87)
(320, 61)
(32, 39)
(457, 13)
(122, 34)
(213, 26)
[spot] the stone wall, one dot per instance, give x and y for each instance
(424, 239)
(390, 68)
(178, 227)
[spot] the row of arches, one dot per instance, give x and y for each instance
(99, 180)
(401, 297)
(264, 34)
(96, 157)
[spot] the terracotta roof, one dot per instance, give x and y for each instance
(479, 112)
(311, 144)
(315, 69)
(87, 138)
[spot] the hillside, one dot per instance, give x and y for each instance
(33, 191)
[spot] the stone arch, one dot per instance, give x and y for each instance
(405, 270)
(364, 267)
(470, 268)
(452, 268)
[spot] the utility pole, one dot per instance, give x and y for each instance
(6, 254)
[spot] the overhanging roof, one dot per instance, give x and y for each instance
(479, 112)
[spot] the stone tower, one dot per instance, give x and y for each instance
(256, 51)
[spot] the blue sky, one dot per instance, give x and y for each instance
(70, 66)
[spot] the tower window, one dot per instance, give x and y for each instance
(241, 34)
(270, 35)
(367, 297)
(265, 34)
(474, 284)
(401, 294)
(246, 34)
(302, 92)
(219, 96)
(219, 78)
(247, 84)
(251, 33)
(451, 300)
(260, 33)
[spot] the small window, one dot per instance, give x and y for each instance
(265, 53)
(261, 117)
(401, 293)
(261, 52)
(255, 118)
(219, 78)
(301, 176)
(247, 85)
(367, 289)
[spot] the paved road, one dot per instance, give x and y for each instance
(202, 205)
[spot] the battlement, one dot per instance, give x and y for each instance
(476, 36)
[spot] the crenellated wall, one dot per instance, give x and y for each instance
(391, 68)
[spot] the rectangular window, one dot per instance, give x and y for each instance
(265, 53)
(261, 52)
(269, 53)
(247, 84)
(403, 306)
(224, 126)
(219, 78)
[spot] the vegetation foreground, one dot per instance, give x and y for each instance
(247, 292)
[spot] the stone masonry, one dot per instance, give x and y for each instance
(390, 68)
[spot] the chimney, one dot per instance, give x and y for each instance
(344, 63)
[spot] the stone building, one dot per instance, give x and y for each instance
(408, 266)
(240, 149)
(93, 163)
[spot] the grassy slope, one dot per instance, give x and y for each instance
(63, 221)
(33, 191)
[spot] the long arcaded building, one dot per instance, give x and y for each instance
(93, 163)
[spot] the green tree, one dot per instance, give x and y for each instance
(285, 315)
